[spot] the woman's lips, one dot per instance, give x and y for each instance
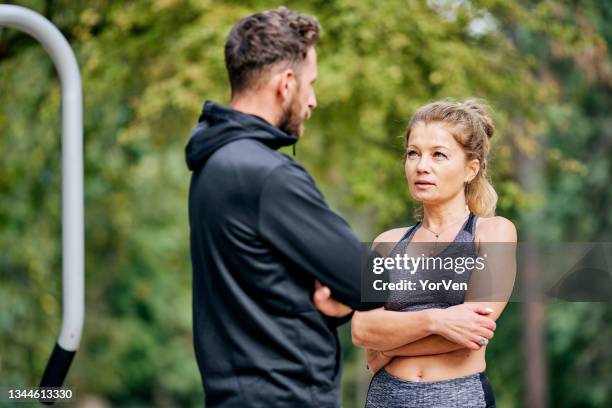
(423, 184)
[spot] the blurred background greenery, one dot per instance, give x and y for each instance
(148, 65)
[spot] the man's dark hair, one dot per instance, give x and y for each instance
(261, 40)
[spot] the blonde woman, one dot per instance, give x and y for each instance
(440, 363)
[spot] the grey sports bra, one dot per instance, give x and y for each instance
(434, 287)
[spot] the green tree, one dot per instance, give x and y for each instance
(147, 66)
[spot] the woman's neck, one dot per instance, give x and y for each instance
(438, 216)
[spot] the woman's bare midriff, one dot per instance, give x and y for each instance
(455, 364)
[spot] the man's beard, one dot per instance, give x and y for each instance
(291, 120)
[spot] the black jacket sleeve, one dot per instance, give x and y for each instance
(295, 219)
(338, 321)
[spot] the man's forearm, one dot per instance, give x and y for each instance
(385, 330)
(429, 345)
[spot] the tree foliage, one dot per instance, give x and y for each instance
(148, 65)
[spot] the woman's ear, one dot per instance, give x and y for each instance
(473, 169)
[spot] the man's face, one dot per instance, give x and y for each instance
(303, 100)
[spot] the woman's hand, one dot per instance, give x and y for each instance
(465, 324)
(376, 360)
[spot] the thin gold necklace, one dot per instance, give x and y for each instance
(437, 234)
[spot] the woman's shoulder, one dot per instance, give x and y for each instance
(385, 242)
(495, 229)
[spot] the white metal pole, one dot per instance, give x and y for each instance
(73, 279)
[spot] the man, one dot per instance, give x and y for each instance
(263, 238)
(262, 235)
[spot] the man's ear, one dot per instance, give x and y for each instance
(285, 84)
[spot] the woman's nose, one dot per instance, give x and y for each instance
(423, 164)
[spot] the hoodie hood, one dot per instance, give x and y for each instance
(219, 125)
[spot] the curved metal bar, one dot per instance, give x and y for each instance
(73, 277)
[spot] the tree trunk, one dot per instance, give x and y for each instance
(530, 176)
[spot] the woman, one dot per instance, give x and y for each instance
(442, 365)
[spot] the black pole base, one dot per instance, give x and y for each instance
(56, 370)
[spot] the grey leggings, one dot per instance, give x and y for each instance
(388, 391)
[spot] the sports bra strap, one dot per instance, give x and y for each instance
(470, 225)
(408, 235)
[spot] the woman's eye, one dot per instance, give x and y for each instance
(440, 155)
(411, 153)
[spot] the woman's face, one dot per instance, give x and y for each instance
(436, 165)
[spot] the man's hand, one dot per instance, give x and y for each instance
(376, 360)
(465, 324)
(326, 304)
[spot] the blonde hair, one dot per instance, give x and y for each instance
(471, 125)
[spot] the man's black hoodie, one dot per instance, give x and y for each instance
(261, 233)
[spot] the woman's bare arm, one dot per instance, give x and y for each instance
(381, 329)
(429, 345)
(436, 344)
